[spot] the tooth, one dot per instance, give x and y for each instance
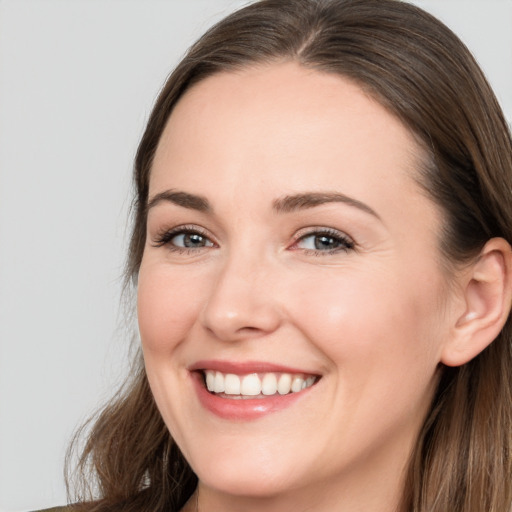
(210, 377)
(251, 385)
(284, 384)
(297, 383)
(218, 384)
(269, 384)
(232, 384)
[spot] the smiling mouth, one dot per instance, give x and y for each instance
(256, 385)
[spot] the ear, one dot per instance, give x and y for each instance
(487, 296)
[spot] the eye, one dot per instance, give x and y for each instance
(183, 238)
(325, 241)
(190, 240)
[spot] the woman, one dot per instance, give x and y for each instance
(322, 260)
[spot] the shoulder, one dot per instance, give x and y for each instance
(55, 509)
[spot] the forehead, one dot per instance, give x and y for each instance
(288, 128)
(284, 111)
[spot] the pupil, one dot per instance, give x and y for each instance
(325, 242)
(193, 240)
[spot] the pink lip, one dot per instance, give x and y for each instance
(243, 409)
(244, 368)
(240, 409)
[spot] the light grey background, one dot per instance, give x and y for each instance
(77, 80)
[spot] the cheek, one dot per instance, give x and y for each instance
(166, 308)
(373, 320)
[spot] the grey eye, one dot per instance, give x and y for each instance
(322, 242)
(328, 242)
(191, 240)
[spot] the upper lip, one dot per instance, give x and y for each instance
(246, 367)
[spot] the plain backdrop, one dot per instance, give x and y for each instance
(77, 81)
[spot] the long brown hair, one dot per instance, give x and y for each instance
(423, 74)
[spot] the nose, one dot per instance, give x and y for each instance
(242, 302)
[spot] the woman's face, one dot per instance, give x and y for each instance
(289, 245)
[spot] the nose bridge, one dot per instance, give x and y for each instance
(241, 302)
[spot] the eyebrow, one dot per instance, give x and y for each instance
(183, 199)
(286, 204)
(303, 201)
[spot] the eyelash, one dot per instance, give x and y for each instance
(165, 237)
(345, 244)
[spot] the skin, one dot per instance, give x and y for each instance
(371, 320)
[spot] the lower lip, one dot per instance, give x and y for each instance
(243, 409)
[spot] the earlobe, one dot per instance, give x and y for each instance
(487, 302)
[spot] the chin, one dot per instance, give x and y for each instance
(249, 478)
